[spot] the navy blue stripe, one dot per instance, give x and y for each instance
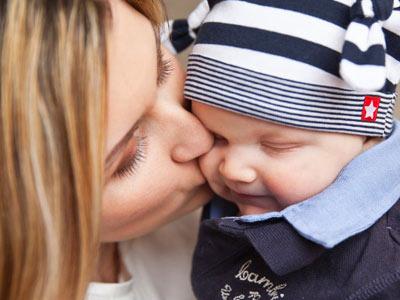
(276, 107)
(389, 87)
(180, 37)
(383, 9)
(289, 104)
(392, 44)
(326, 127)
(375, 55)
(365, 21)
(343, 93)
(270, 42)
(328, 10)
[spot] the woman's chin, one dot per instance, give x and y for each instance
(198, 198)
(153, 218)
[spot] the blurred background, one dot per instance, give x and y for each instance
(181, 8)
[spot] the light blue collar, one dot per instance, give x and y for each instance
(364, 190)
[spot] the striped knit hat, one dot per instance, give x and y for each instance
(329, 65)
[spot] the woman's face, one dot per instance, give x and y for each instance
(152, 141)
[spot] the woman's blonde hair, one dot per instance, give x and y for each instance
(52, 123)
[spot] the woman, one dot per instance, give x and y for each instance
(89, 111)
(157, 179)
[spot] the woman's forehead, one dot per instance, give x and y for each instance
(132, 70)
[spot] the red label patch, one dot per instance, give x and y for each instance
(370, 108)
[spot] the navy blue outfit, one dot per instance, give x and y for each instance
(343, 243)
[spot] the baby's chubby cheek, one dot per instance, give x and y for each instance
(294, 187)
(209, 167)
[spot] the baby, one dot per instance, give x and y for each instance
(299, 95)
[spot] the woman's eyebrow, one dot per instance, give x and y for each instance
(112, 156)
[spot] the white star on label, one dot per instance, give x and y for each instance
(370, 110)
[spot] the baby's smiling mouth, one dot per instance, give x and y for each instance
(247, 198)
(251, 204)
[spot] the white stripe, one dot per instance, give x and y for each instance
(363, 77)
(272, 84)
(282, 21)
(275, 65)
(198, 15)
(364, 37)
(393, 69)
(393, 23)
(367, 8)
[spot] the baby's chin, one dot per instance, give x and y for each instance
(245, 210)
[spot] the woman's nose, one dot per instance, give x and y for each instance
(194, 139)
(235, 170)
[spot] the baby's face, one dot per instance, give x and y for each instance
(262, 166)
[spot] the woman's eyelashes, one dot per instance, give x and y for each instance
(136, 155)
(165, 69)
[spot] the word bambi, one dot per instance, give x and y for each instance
(265, 283)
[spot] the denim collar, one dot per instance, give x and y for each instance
(363, 191)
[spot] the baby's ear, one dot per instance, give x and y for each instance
(369, 142)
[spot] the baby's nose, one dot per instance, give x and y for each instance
(236, 171)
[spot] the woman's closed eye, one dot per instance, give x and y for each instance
(135, 152)
(134, 155)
